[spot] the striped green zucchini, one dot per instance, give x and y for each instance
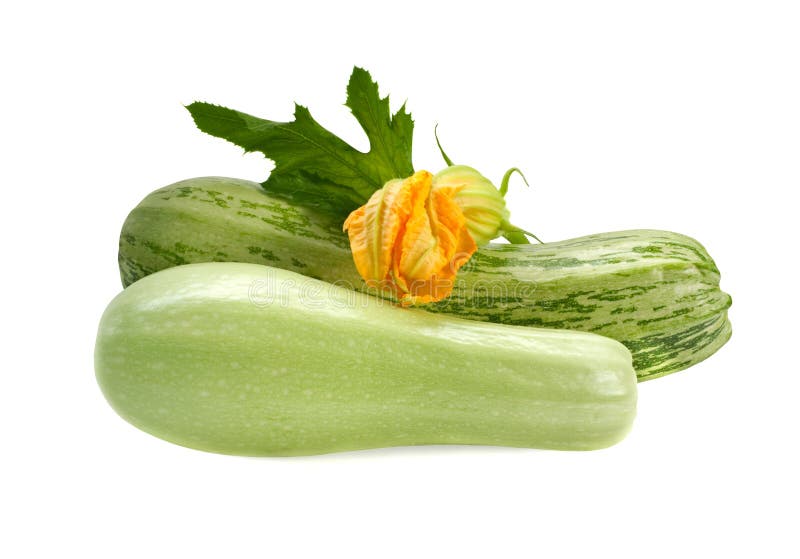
(246, 359)
(655, 291)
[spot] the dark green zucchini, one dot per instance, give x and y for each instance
(657, 292)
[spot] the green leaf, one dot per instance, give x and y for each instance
(312, 165)
(389, 135)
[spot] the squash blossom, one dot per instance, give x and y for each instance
(483, 205)
(414, 234)
(410, 239)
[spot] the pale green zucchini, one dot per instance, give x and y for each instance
(655, 291)
(252, 360)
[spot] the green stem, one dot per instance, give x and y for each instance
(512, 233)
(441, 149)
(507, 176)
(516, 235)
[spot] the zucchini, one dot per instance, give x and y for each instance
(252, 360)
(657, 292)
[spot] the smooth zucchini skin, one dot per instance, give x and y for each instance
(657, 292)
(252, 360)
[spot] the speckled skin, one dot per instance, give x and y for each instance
(251, 360)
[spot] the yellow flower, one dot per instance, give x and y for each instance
(411, 238)
(483, 205)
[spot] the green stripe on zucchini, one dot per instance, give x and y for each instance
(655, 291)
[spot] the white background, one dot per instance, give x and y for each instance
(673, 115)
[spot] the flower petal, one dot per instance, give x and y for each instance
(411, 239)
(482, 204)
(434, 246)
(374, 227)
